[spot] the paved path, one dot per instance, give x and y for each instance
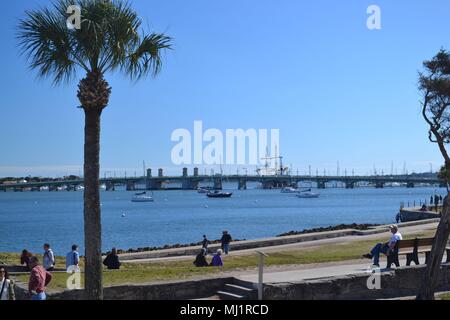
(317, 272)
(308, 244)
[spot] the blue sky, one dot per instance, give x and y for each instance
(336, 90)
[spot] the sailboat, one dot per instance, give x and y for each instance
(142, 197)
(308, 194)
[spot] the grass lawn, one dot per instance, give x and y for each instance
(184, 269)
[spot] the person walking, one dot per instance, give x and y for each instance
(6, 285)
(225, 241)
(112, 260)
(39, 279)
(205, 242)
(73, 257)
(49, 258)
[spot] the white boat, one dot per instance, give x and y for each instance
(79, 188)
(308, 194)
(142, 197)
(103, 187)
(289, 190)
(204, 190)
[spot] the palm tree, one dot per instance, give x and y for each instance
(110, 39)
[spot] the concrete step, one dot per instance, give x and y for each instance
(247, 293)
(229, 296)
(244, 283)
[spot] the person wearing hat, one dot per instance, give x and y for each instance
(384, 248)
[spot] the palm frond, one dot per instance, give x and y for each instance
(44, 39)
(110, 38)
(146, 58)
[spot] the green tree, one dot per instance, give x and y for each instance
(110, 39)
(434, 84)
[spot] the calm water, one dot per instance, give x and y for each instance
(29, 219)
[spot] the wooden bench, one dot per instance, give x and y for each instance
(412, 248)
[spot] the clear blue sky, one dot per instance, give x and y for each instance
(336, 90)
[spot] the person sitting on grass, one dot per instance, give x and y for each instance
(217, 259)
(25, 258)
(200, 259)
(385, 248)
(112, 260)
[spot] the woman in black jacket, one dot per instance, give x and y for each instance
(200, 260)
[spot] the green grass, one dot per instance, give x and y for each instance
(445, 296)
(184, 269)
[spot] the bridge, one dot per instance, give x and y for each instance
(192, 182)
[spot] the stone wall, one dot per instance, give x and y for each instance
(403, 281)
(166, 291)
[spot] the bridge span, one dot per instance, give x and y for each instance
(192, 182)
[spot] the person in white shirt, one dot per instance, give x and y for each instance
(49, 258)
(6, 286)
(384, 248)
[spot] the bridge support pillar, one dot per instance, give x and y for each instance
(242, 184)
(153, 184)
(110, 186)
(188, 184)
(410, 185)
(52, 188)
(218, 182)
(379, 185)
(320, 184)
(349, 185)
(131, 186)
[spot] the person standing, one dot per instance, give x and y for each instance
(225, 241)
(6, 286)
(39, 279)
(205, 242)
(73, 257)
(49, 258)
(112, 260)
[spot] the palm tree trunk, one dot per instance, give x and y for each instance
(92, 217)
(433, 269)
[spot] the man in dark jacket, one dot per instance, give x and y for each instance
(112, 260)
(225, 241)
(205, 242)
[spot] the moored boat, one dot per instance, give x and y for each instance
(142, 197)
(289, 190)
(218, 194)
(308, 194)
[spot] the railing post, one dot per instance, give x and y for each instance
(262, 255)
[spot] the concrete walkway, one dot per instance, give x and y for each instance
(304, 241)
(318, 272)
